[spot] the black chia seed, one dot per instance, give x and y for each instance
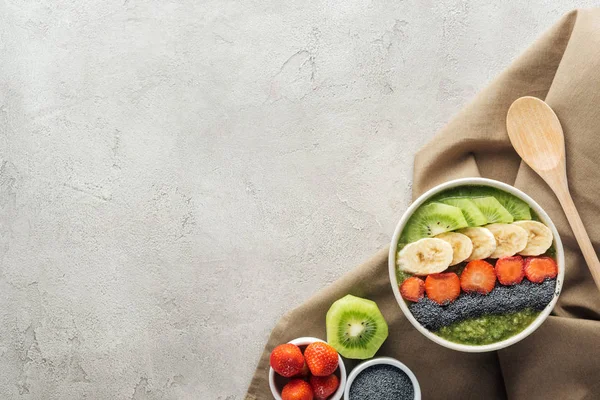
(501, 300)
(382, 382)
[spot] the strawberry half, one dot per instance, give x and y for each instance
(509, 270)
(287, 360)
(478, 276)
(442, 288)
(412, 289)
(297, 389)
(324, 386)
(539, 268)
(321, 358)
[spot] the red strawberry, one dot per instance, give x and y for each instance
(287, 360)
(297, 389)
(539, 268)
(304, 373)
(412, 289)
(322, 359)
(324, 386)
(509, 270)
(478, 276)
(442, 288)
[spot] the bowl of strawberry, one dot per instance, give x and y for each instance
(476, 265)
(306, 368)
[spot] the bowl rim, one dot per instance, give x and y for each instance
(379, 361)
(476, 181)
(304, 341)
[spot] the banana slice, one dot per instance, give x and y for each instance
(510, 239)
(539, 238)
(462, 246)
(484, 243)
(425, 256)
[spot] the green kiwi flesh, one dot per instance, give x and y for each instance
(472, 214)
(432, 219)
(516, 207)
(355, 327)
(492, 209)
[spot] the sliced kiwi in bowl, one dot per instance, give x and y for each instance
(515, 206)
(518, 208)
(471, 212)
(431, 220)
(492, 209)
(355, 327)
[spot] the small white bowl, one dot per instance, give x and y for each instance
(277, 387)
(382, 360)
(560, 259)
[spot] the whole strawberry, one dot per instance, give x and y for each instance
(297, 389)
(304, 373)
(324, 386)
(287, 360)
(321, 358)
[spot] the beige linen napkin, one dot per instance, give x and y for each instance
(561, 360)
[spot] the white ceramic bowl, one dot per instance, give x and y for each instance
(276, 382)
(560, 259)
(382, 360)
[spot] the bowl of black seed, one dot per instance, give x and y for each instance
(382, 378)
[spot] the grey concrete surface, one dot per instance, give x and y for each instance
(175, 175)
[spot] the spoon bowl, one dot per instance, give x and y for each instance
(536, 133)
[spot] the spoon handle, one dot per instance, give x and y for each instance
(583, 239)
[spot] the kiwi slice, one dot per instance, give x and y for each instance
(355, 327)
(432, 219)
(472, 214)
(493, 210)
(516, 207)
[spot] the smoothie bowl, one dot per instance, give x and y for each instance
(476, 265)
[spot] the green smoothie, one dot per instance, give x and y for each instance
(488, 328)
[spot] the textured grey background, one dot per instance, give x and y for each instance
(175, 175)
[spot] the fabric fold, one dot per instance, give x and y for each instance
(561, 360)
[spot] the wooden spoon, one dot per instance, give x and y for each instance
(536, 134)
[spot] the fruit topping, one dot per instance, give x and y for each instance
(287, 360)
(324, 386)
(442, 288)
(478, 276)
(462, 247)
(539, 238)
(412, 289)
(321, 358)
(492, 209)
(432, 219)
(484, 243)
(515, 206)
(471, 212)
(510, 239)
(297, 389)
(425, 256)
(537, 269)
(355, 327)
(509, 270)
